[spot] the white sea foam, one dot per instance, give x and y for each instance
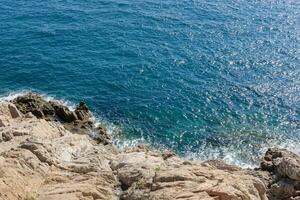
(12, 95)
(243, 157)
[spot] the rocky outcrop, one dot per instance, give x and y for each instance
(46, 154)
(284, 171)
(147, 175)
(41, 159)
(78, 121)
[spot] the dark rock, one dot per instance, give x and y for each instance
(168, 154)
(82, 111)
(6, 136)
(81, 114)
(102, 136)
(38, 113)
(19, 133)
(2, 123)
(77, 122)
(34, 102)
(83, 106)
(103, 139)
(55, 105)
(65, 114)
(284, 188)
(101, 130)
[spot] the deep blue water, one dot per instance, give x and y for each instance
(208, 79)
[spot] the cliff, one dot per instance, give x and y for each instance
(49, 152)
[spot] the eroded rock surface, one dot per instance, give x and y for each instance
(147, 175)
(40, 159)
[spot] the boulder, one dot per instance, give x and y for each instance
(65, 114)
(6, 136)
(284, 169)
(82, 111)
(15, 113)
(33, 102)
(37, 113)
(168, 154)
(284, 189)
(281, 162)
(101, 135)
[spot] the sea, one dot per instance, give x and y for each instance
(206, 79)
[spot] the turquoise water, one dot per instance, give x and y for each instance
(208, 79)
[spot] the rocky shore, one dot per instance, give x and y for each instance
(49, 152)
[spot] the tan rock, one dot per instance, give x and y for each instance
(29, 115)
(289, 167)
(147, 175)
(43, 160)
(5, 115)
(284, 169)
(4, 110)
